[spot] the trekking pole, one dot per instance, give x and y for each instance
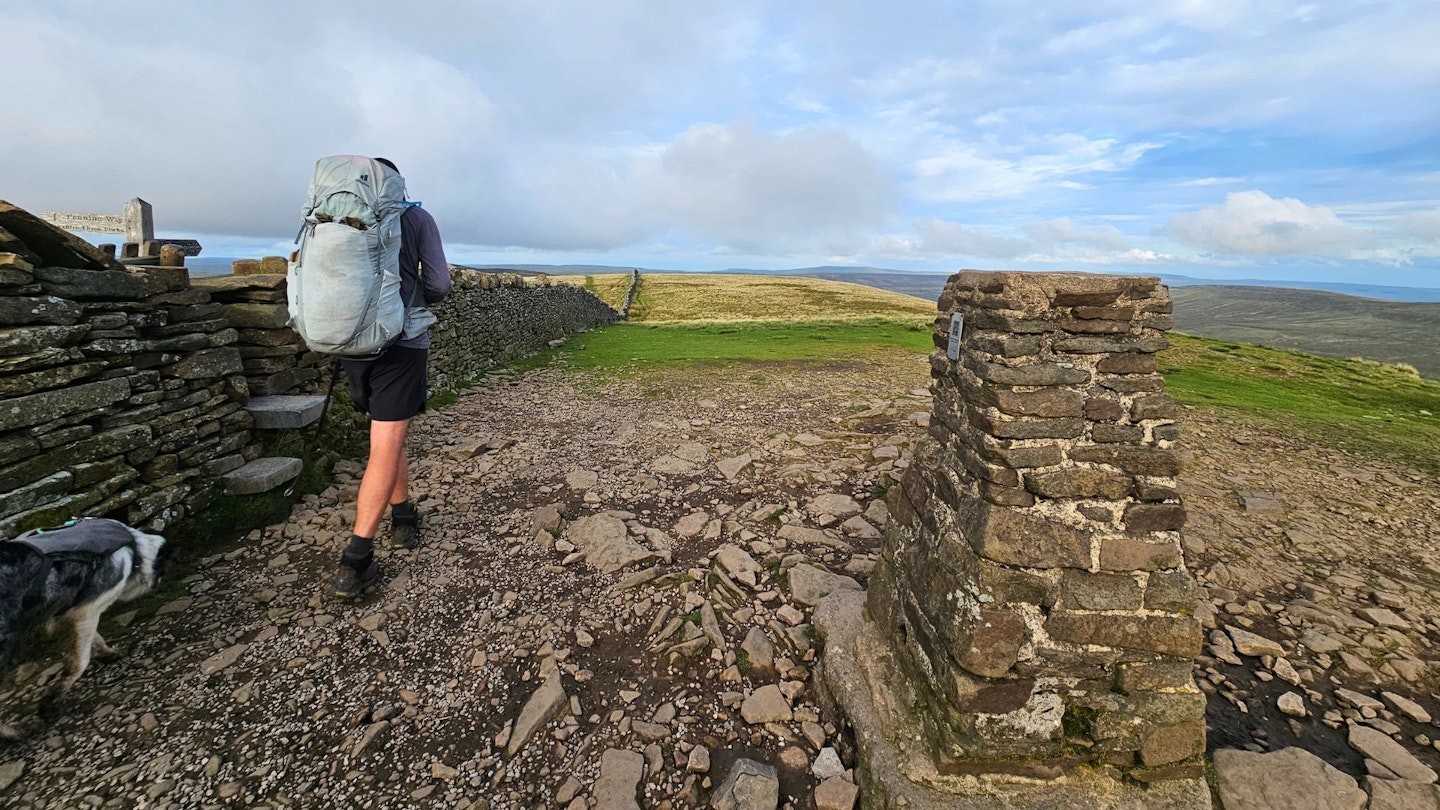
(305, 451)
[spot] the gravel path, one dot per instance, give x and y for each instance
(499, 667)
(257, 690)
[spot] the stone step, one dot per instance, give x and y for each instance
(287, 412)
(261, 475)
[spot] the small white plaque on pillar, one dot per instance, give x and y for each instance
(957, 325)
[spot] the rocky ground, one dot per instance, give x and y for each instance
(613, 602)
(1323, 575)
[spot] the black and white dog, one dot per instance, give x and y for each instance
(71, 575)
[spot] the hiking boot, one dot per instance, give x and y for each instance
(404, 528)
(349, 583)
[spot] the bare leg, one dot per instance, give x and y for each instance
(382, 475)
(401, 491)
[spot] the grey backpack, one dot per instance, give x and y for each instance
(344, 289)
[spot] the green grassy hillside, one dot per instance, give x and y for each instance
(1371, 408)
(694, 297)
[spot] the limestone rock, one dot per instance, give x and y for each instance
(544, 705)
(1407, 707)
(834, 504)
(222, 659)
(732, 467)
(827, 764)
(766, 705)
(1389, 753)
(1288, 779)
(1291, 703)
(858, 527)
(749, 785)
(692, 524)
(11, 772)
(808, 584)
(1397, 794)
(581, 479)
(1248, 643)
(836, 794)
(606, 543)
(760, 651)
(620, 775)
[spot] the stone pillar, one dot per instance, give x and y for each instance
(1032, 585)
(139, 221)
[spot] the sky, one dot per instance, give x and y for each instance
(1211, 138)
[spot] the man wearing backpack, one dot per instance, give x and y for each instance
(391, 389)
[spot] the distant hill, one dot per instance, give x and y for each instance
(1324, 323)
(697, 297)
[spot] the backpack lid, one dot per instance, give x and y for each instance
(355, 187)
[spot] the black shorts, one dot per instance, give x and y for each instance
(390, 388)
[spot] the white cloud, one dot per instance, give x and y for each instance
(937, 238)
(1062, 231)
(754, 190)
(964, 171)
(1252, 223)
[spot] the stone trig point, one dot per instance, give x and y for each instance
(137, 222)
(1027, 641)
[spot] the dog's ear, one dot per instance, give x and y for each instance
(161, 561)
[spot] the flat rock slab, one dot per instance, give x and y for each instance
(808, 584)
(1389, 753)
(1392, 794)
(286, 412)
(223, 284)
(544, 705)
(836, 794)
(261, 475)
(766, 705)
(620, 774)
(1288, 779)
(11, 772)
(832, 503)
(1248, 643)
(222, 659)
(731, 467)
(859, 674)
(606, 543)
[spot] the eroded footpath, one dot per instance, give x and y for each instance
(613, 603)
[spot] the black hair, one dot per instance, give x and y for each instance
(387, 162)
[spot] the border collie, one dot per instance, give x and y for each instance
(71, 575)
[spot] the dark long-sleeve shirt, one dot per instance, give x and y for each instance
(424, 273)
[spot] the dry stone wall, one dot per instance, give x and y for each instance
(488, 320)
(120, 389)
(1032, 580)
(493, 318)
(273, 358)
(123, 389)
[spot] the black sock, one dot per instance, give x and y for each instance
(360, 552)
(404, 513)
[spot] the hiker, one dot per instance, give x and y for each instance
(391, 389)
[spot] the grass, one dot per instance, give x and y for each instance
(1377, 409)
(650, 346)
(699, 297)
(610, 287)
